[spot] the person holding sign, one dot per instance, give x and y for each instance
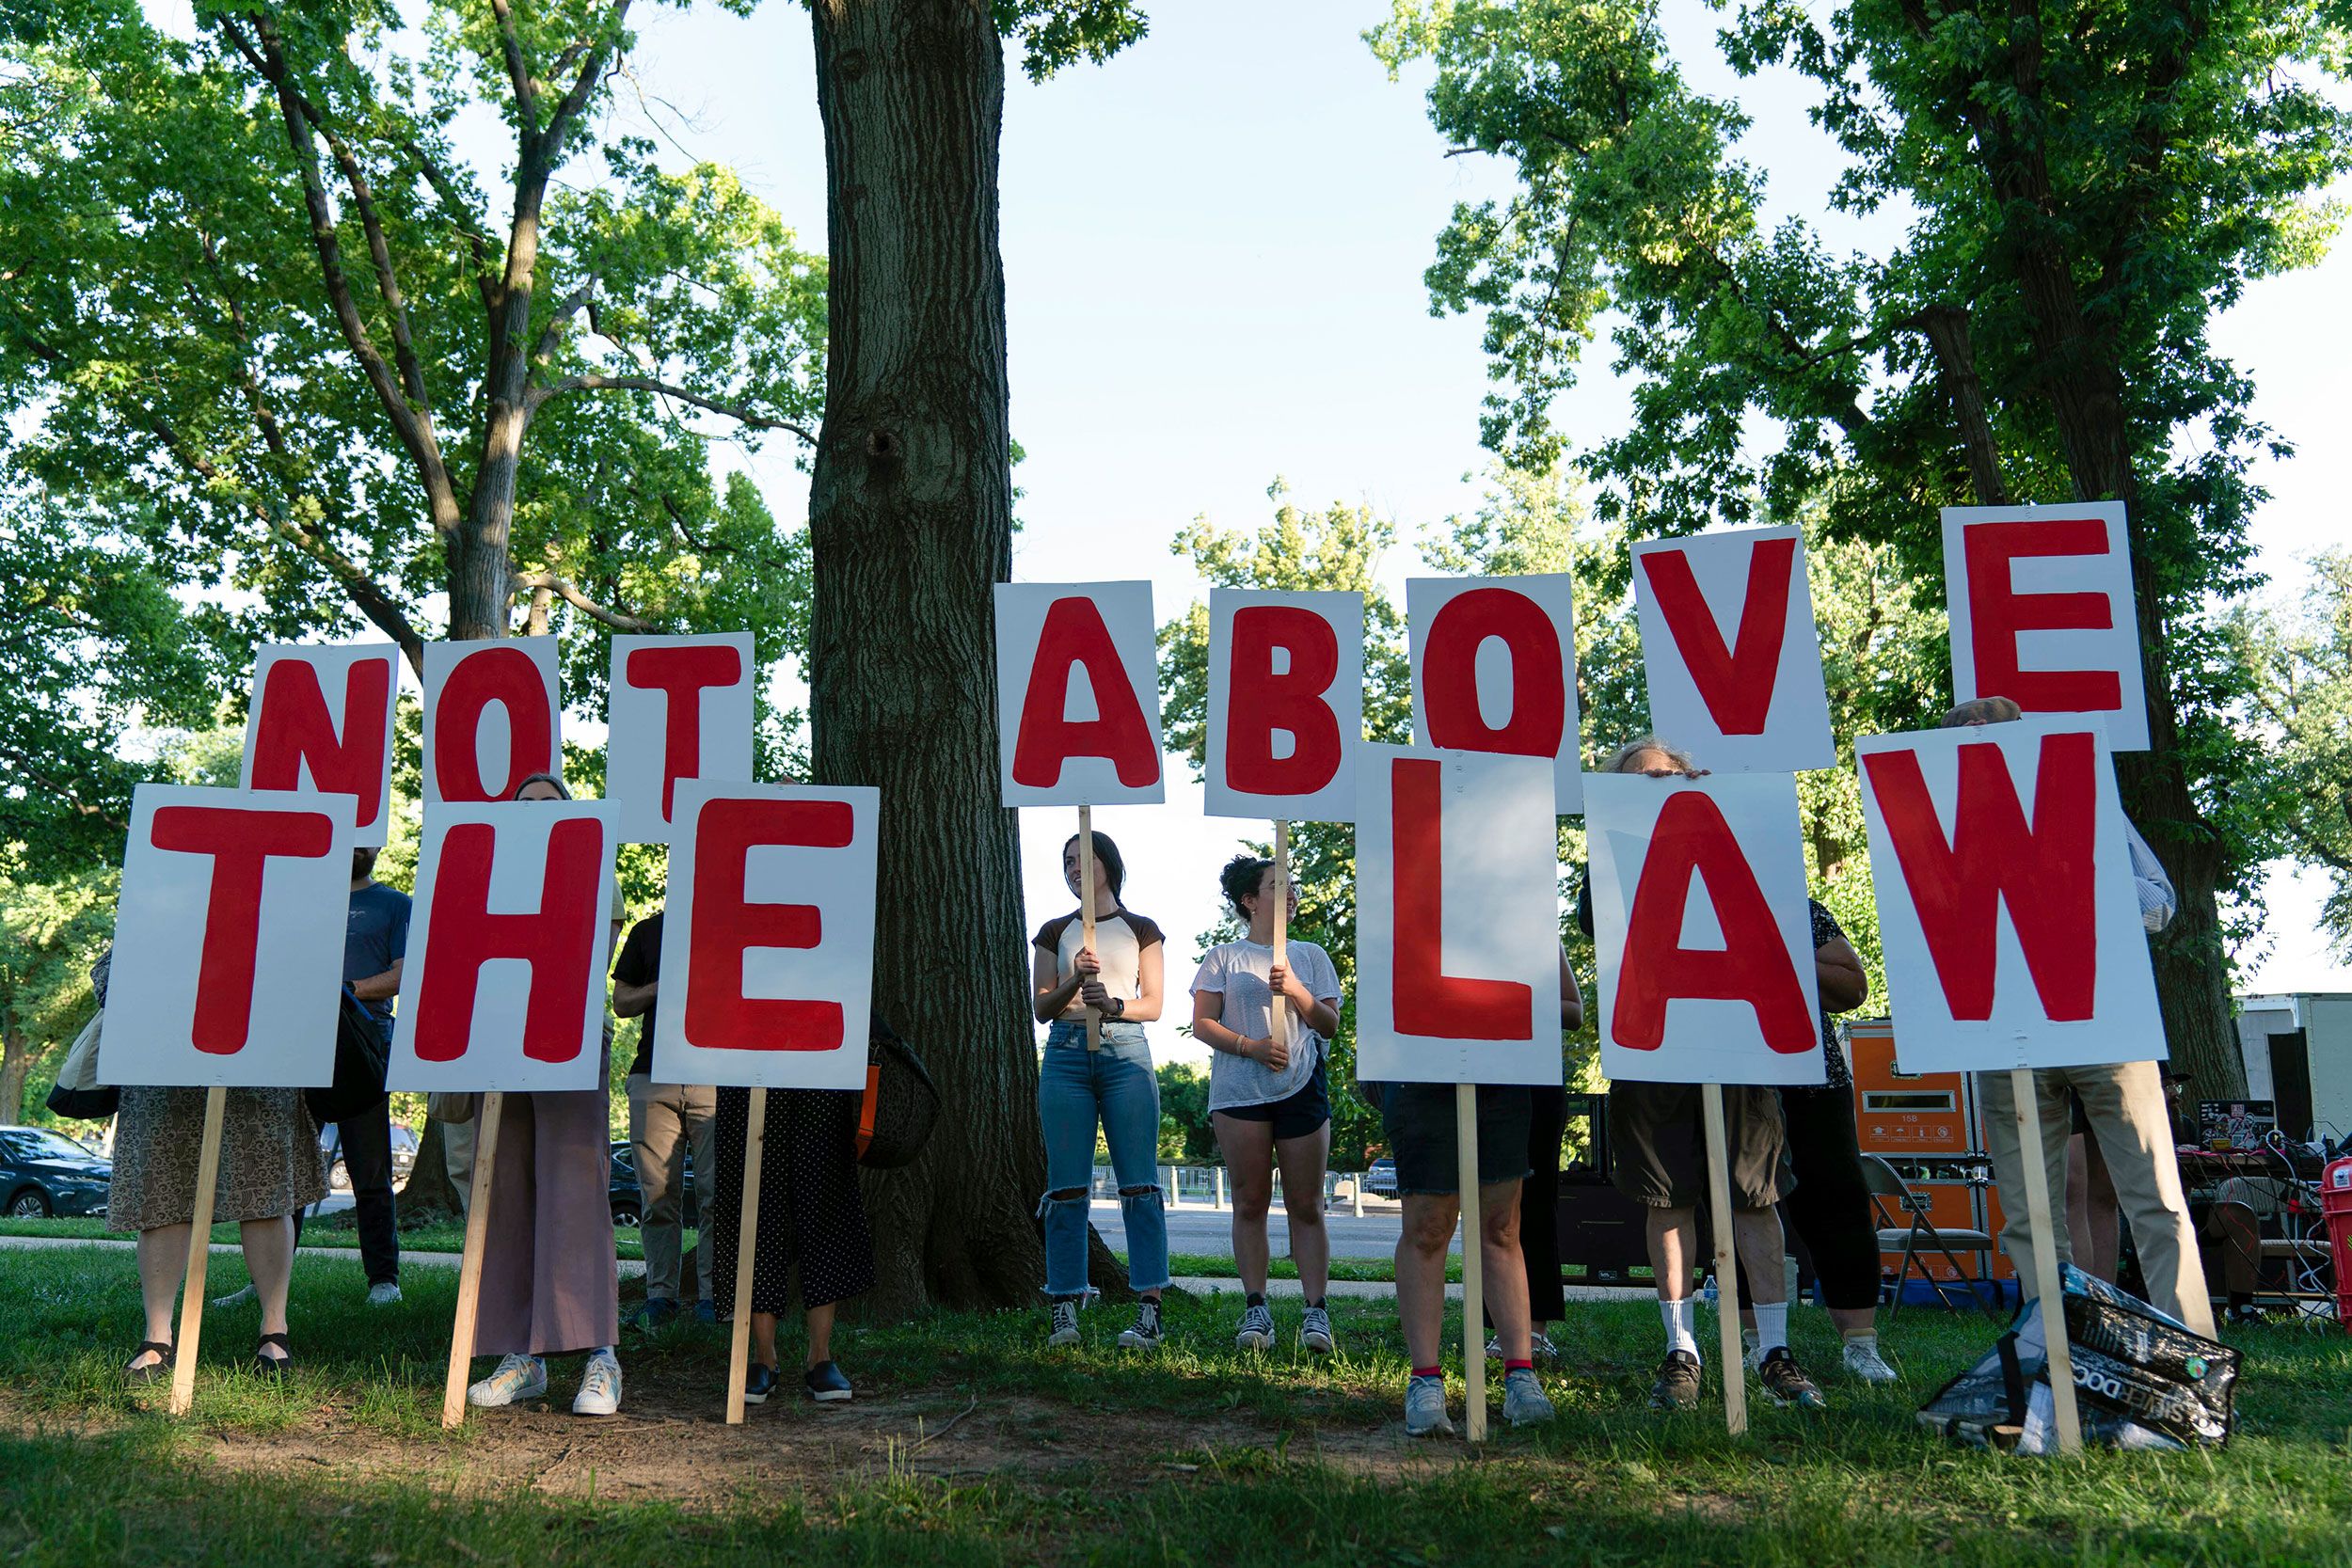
(548, 1283)
(271, 1166)
(1268, 1099)
(1658, 1158)
(2125, 1104)
(1119, 979)
(664, 1120)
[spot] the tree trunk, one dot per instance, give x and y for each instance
(16, 1066)
(911, 520)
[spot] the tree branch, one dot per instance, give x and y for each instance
(518, 73)
(564, 589)
(591, 68)
(564, 310)
(595, 383)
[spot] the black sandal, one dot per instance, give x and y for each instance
(271, 1365)
(136, 1374)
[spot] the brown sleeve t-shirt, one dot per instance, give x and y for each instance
(1119, 940)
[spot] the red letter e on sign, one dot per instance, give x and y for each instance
(2042, 612)
(719, 1017)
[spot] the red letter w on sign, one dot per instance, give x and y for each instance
(2043, 872)
(719, 1017)
(557, 941)
(1073, 635)
(240, 842)
(1735, 683)
(1429, 1001)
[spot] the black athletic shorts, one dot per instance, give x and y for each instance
(1297, 1115)
(1658, 1144)
(1420, 1120)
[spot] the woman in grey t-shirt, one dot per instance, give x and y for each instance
(1267, 1098)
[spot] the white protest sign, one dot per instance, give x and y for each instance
(229, 938)
(1494, 670)
(680, 707)
(491, 717)
(1703, 930)
(1457, 918)
(508, 942)
(1078, 694)
(1286, 705)
(768, 937)
(1730, 650)
(2042, 614)
(2008, 912)
(321, 717)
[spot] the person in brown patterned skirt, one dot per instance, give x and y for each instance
(271, 1165)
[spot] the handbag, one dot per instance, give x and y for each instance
(78, 1095)
(900, 1103)
(360, 1052)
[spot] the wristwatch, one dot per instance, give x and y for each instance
(1119, 1005)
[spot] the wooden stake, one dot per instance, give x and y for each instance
(1279, 1014)
(746, 1240)
(199, 1254)
(1473, 1263)
(2045, 1263)
(1727, 1262)
(1085, 910)
(486, 1155)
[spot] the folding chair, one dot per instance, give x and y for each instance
(1885, 1185)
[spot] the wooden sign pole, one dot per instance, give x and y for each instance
(1473, 1263)
(1086, 908)
(486, 1154)
(746, 1241)
(199, 1254)
(1278, 1017)
(1727, 1262)
(2045, 1263)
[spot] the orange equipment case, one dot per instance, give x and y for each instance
(1907, 1116)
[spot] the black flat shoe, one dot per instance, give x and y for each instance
(139, 1376)
(272, 1365)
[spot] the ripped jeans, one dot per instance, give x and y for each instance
(1076, 1087)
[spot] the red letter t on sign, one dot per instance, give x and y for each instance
(682, 672)
(239, 842)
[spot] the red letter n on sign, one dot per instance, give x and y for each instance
(2044, 873)
(1429, 1001)
(681, 674)
(295, 729)
(1074, 635)
(557, 941)
(239, 843)
(719, 1017)
(1693, 840)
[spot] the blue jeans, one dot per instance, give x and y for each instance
(1076, 1087)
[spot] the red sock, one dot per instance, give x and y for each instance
(1427, 1371)
(1518, 1366)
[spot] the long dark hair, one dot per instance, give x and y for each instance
(1107, 855)
(1240, 879)
(545, 779)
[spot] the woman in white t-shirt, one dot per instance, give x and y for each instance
(1121, 978)
(1268, 1100)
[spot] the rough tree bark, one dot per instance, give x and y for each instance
(16, 1067)
(910, 522)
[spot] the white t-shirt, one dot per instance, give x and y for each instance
(1119, 940)
(1238, 971)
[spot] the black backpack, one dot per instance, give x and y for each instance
(361, 1048)
(900, 1103)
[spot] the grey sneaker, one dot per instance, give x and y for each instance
(1314, 1331)
(1065, 1330)
(517, 1378)
(1785, 1382)
(1523, 1401)
(1147, 1333)
(1677, 1384)
(1424, 1408)
(1539, 1348)
(383, 1294)
(1257, 1329)
(1863, 1361)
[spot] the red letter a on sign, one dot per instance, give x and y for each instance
(719, 1017)
(294, 728)
(2044, 873)
(1737, 682)
(1692, 839)
(1074, 634)
(1429, 1001)
(556, 941)
(239, 843)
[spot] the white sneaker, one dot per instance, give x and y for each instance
(517, 1378)
(599, 1385)
(240, 1297)
(383, 1294)
(1863, 1361)
(1065, 1321)
(1257, 1329)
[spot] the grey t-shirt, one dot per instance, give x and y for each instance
(1238, 971)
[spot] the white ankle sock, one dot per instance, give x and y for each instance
(1681, 1323)
(1771, 1328)
(1868, 1339)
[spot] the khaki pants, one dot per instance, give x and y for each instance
(2125, 1104)
(665, 1122)
(458, 1159)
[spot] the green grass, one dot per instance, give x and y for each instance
(327, 1230)
(1196, 1455)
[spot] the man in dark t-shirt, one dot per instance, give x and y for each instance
(374, 941)
(665, 1121)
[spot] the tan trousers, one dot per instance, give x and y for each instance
(666, 1121)
(2125, 1104)
(458, 1159)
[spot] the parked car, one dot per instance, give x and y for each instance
(1380, 1180)
(628, 1206)
(44, 1173)
(404, 1157)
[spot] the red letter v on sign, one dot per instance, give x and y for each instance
(2044, 873)
(1737, 682)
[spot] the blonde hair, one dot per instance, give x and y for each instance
(1621, 760)
(1983, 710)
